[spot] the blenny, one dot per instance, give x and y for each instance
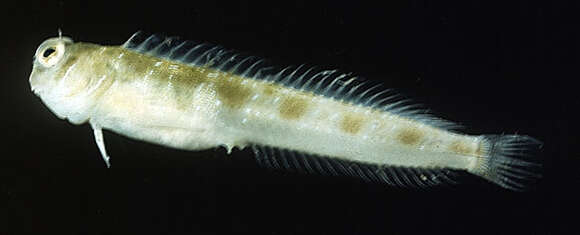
(196, 96)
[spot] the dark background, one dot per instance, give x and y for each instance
(494, 67)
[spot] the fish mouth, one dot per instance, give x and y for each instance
(36, 91)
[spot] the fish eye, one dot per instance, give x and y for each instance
(50, 52)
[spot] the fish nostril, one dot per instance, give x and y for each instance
(48, 52)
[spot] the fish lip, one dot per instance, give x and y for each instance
(36, 91)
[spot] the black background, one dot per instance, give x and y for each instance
(494, 67)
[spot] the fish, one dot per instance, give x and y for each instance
(194, 96)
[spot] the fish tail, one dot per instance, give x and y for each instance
(509, 161)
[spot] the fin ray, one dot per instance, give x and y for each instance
(507, 161)
(333, 84)
(275, 158)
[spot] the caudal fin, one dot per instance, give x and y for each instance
(509, 161)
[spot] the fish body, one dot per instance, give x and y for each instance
(196, 96)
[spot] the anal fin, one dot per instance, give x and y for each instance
(407, 177)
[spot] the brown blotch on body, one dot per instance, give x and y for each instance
(231, 92)
(410, 136)
(270, 89)
(293, 108)
(186, 76)
(351, 123)
(185, 82)
(182, 79)
(460, 148)
(139, 65)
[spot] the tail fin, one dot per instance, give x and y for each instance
(508, 161)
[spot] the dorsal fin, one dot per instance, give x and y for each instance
(344, 87)
(174, 48)
(397, 176)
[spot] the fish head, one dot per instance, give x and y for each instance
(59, 80)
